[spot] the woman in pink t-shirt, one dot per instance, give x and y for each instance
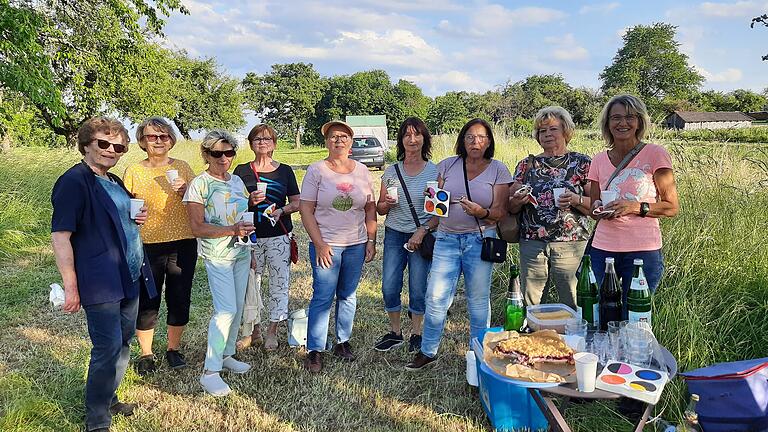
(645, 191)
(339, 213)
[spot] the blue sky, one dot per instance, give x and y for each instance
(473, 45)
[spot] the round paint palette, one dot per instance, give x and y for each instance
(632, 381)
(437, 201)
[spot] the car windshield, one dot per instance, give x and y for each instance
(366, 142)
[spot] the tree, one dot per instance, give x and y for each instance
(73, 59)
(205, 97)
(410, 101)
(651, 65)
(448, 113)
(285, 97)
(762, 19)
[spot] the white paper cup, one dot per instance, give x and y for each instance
(432, 184)
(607, 196)
(172, 175)
(586, 371)
(247, 217)
(556, 192)
(261, 187)
(392, 192)
(136, 205)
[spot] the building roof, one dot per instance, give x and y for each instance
(759, 115)
(717, 116)
(367, 120)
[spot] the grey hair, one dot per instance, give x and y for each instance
(554, 112)
(214, 137)
(156, 122)
(633, 105)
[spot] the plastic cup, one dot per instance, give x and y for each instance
(576, 327)
(432, 184)
(247, 217)
(471, 368)
(607, 196)
(392, 192)
(136, 205)
(172, 175)
(261, 187)
(586, 371)
(556, 192)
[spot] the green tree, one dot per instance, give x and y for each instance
(285, 97)
(448, 113)
(651, 65)
(205, 97)
(762, 19)
(748, 101)
(74, 59)
(410, 101)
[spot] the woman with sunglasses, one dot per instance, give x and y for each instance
(272, 250)
(102, 263)
(216, 201)
(172, 249)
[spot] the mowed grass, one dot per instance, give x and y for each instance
(710, 307)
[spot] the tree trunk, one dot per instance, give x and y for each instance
(182, 129)
(5, 146)
(298, 138)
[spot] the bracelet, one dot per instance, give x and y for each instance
(372, 241)
(487, 213)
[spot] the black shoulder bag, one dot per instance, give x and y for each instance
(494, 249)
(428, 242)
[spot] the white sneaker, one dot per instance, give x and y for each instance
(235, 366)
(214, 385)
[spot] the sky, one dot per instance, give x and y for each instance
(472, 45)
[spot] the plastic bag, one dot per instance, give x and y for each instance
(56, 296)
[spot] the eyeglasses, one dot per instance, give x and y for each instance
(553, 129)
(219, 153)
(630, 118)
(341, 138)
(264, 139)
(155, 138)
(119, 148)
(471, 138)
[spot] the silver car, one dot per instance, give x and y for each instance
(368, 150)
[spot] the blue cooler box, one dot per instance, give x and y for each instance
(508, 406)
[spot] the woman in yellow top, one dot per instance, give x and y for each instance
(168, 241)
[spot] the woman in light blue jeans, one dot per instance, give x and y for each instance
(460, 235)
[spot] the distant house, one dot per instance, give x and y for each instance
(689, 120)
(370, 125)
(759, 115)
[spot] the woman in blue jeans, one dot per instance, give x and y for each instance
(101, 259)
(414, 145)
(339, 213)
(459, 236)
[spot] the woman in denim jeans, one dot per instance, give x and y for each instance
(645, 191)
(459, 240)
(414, 145)
(339, 213)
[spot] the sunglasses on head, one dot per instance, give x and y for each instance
(104, 144)
(219, 153)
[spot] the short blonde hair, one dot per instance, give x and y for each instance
(214, 137)
(105, 125)
(158, 123)
(633, 105)
(554, 112)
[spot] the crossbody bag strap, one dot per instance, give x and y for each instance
(407, 197)
(258, 179)
(469, 195)
(623, 164)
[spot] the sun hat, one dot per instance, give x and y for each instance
(328, 125)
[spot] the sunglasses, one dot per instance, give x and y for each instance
(219, 153)
(104, 144)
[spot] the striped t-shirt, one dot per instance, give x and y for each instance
(399, 217)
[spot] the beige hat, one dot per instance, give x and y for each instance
(328, 125)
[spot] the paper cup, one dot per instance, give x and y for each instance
(556, 192)
(247, 217)
(586, 371)
(261, 187)
(607, 196)
(392, 192)
(136, 205)
(172, 175)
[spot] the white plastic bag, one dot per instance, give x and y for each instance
(297, 328)
(56, 296)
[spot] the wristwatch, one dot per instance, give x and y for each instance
(427, 228)
(644, 209)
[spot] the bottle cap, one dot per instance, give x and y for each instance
(637, 261)
(695, 397)
(609, 260)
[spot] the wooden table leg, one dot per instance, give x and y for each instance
(644, 418)
(550, 411)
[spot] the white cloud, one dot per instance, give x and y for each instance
(437, 83)
(411, 5)
(495, 18)
(449, 29)
(566, 48)
(730, 75)
(395, 47)
(739, 9)
(689, 37)
(600, 8)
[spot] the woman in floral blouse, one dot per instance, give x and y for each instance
(553, 233)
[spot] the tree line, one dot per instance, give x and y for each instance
(63, 61)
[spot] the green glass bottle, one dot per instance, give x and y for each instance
(639, 296)
(515, 312)
(587, 300)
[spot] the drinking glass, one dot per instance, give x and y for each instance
(576, 327)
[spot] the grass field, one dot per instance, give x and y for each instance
(711, 307)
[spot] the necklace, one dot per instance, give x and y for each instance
(557, 162)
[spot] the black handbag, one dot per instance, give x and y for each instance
(494, 249)
(428, 242)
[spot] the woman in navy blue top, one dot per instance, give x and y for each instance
(101, 259)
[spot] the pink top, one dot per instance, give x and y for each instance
(635, 182)
(340, 199)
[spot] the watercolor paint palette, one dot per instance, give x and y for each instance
(437, 201)
(632, 381)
